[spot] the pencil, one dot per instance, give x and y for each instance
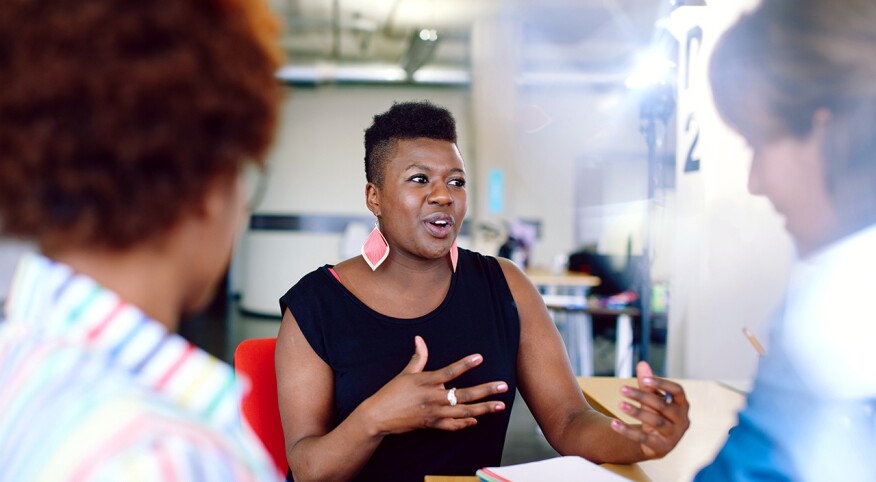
(756, 344)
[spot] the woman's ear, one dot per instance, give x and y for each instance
(220, 198)
(372, 198)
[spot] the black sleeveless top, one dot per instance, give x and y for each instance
(366, 349)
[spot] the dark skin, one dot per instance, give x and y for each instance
(424, 181)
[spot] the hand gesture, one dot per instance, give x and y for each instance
(416, 399)
(662, 410)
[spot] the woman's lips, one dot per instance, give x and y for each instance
(439, 231)
(439, 225)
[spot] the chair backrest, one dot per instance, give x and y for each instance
(255, 359)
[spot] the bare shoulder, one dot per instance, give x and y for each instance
(349, 264)
(517, 281)
(351, 272)
(530, 306)
(356, 276)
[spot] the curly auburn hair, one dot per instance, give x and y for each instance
(116, 116)
(406, 120)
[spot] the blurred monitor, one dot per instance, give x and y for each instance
(617, 273)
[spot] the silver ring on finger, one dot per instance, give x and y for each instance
(667, 399)
(451, 397)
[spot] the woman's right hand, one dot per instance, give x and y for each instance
(415, 399)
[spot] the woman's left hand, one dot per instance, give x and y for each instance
(663, 411)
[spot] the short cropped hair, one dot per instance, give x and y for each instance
(405, 120)
(116, 116)
(781, 63)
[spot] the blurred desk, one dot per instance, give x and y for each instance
(565, 296)
(626, 322)
(546, 278)
(713, 412)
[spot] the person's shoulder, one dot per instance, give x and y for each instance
(315, 276)
(155, 427)
(834, 357)
(320, 284)
(105, 423)
(210, 449)
(495, 267)
(474, 257)
(145, 432)
(511, 271)
(307, 284)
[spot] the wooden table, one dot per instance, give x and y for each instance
(713, 409)
(712, 413)
(568, 279)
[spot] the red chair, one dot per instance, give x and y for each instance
(255, 359)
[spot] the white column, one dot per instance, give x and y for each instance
(732, 255)
(495, 46)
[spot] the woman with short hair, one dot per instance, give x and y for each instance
(355, 403)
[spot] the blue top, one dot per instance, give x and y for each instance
(366, 349)
(811, 415)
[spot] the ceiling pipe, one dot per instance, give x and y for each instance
(421, 48)
(336, 29)
(388, 25)
(324, 73)
(335, 73)
(361, 25)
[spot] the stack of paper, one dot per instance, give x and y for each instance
(560, 468)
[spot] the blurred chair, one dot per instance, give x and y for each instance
(255, 359)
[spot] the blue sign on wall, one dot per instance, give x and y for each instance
(496, 192)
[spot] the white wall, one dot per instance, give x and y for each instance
(591, 127)
(732, 255)
(540, 134)
(317, 167)
(317, 161)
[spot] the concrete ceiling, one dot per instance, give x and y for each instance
(585, 36)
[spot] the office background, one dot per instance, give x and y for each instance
(550, 133)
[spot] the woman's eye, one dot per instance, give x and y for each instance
(419, 178)
(457, 182)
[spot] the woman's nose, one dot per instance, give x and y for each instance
(440, 194)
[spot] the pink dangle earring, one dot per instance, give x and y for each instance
(454, 255)
(376, 249)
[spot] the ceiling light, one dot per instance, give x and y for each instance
(421, 47)
(652, 69)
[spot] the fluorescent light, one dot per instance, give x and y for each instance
(652, 69)
(428, 35)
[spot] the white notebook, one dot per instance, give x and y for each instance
(569, 468)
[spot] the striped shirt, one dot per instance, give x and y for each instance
(92, 389)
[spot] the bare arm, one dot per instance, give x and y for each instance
(316, 450)
(551, 391)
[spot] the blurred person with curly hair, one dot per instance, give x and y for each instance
(125, 130)
(796, 79)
